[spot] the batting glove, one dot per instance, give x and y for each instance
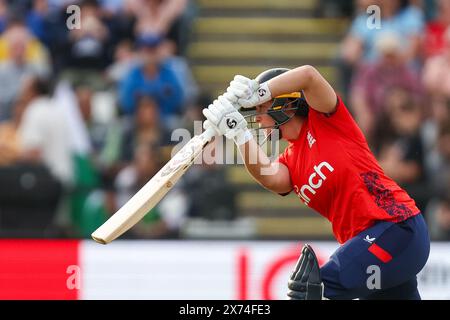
(227, 121)
(247, 93)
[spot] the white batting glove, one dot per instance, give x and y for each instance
(227, 121)
(248, 93)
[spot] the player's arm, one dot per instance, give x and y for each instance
(271, 175)
(318, 92)
(226, 120)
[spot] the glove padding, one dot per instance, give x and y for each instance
(226, 120)
(305, 282)
(247, 93)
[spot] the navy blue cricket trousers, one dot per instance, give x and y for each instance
(379, 263)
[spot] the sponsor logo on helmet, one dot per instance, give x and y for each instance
(231, 123)
(308, 190)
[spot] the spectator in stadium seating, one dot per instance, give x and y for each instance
(105, 137)
(436, 81)
(21, 55)
(111, 7)
(18, 44)
(208, 199)
(438, 117)
(35, 164)
(335, 8)
(166, 219)
(181, 69)
(438, 218)
(436, 76)
(9, 143)
(210, 195)
(399, 145)
(125, 59)
(433, 42)
(439, 162)
(121, 20)
(98, 131)
(444, 148)
(374, 80)
(145, 126)
(160, 18)
(406, 21)
(36, 20)
(359, 45)
(9, 138)
(153, 77)
(3, 15)
(42, 131)
(193, 116)
(88, 48)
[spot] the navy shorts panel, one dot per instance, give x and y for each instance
(406, 243)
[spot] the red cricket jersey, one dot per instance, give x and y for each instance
(334, 172)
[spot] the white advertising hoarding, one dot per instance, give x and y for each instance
(169, 270)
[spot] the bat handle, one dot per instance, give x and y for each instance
(208, 134)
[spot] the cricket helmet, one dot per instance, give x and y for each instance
(291, 101)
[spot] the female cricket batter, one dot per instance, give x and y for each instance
(330, 167)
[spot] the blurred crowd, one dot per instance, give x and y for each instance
(87, 108)
(90, 92)
(396, 79)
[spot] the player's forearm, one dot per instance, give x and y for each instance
(292, 81)
(257, 163)
(318, 92)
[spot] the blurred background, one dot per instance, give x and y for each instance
(90, 95)
(91, 92)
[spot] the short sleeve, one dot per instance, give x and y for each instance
(339, 123)
(282, 158)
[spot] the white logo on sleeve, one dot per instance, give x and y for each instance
(308, 190)
(311, 139)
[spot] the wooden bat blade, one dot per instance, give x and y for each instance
(153, 191)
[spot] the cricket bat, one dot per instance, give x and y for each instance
(153, 191)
